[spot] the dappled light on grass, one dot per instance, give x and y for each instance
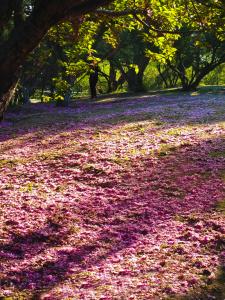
(131, 210)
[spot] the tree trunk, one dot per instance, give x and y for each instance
(6, 98)
(189, 88)
(193, 85)
(162, 76)
(112, 84)
(135, 81)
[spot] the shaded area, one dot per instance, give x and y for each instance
(181, 187)
(170, 110)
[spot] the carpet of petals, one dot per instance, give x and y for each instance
(118, 200)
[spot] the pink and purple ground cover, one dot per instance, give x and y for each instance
(119, 199)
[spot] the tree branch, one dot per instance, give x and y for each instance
(111, 13)
(151, 27)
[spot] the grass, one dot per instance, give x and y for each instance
(211, 290)
(8, 163)
(165, 150)
(217, 154)
(89, 168)
(222, 175)
(220, 207)
(174, 132)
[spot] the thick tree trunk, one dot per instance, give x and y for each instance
(11, 58)
(6, 98)
(189, 88)
(27, 35)
(135, 80)
(93, 80)
(192, 85)
(112, 84)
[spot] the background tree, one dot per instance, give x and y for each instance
(189, 43)
(196, 56)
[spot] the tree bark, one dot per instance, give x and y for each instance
(135, 80)
(28, 34)
(6, 98)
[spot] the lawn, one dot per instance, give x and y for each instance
(118, 199)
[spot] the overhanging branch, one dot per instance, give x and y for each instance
(111, 13)
(151, 27)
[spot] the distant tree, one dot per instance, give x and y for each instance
(189, 40)
(127, 57)
(196, 56)
(167, 78)
(216, 77)
(131, 59)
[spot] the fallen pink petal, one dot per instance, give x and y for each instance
(124, 203)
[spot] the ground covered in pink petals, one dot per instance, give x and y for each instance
(119, 199)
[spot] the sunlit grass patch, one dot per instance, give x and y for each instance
(90, 168)
(136, 127)
(8, 163)
(98, 134)
(165, 150)
(29, 187)
(195, 93)
(137, 152)
(222, 175)
(18, 296)
(217, 154)
(210, 289)
(159, 123)
(220, 206)
(191, 219)
(13, 162)
(124, 160)
(174, 132)
(49, 155)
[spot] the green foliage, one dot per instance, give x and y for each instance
(182, 37)
(215, 77)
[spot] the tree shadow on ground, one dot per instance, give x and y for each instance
(150, 195)
(169, 110)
